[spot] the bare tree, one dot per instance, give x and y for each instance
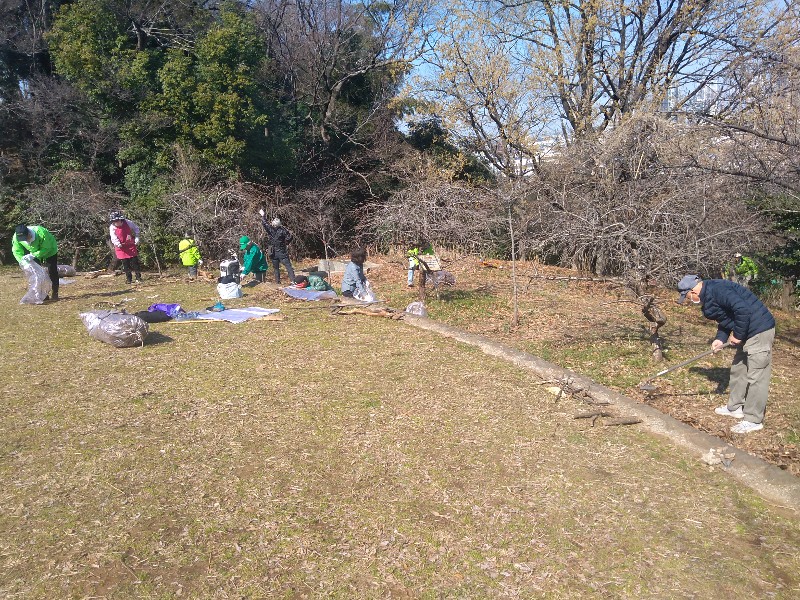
(615, 207)
(324, 47)
(74, 206)
(755, 124)
(445, 213)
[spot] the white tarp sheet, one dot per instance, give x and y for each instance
(238, 315)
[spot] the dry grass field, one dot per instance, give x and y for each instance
(594, 329)
(347, 456)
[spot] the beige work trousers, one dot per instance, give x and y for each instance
(750, 372)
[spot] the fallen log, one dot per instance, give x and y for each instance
(622, 421)
(594, 413)
(370, 312)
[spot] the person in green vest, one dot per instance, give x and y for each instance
(34, 242)
(422, 248)
(190, 255)
(741, 270)
(253, 260)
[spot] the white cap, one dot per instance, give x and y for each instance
(276, 221)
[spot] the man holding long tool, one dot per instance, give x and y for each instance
(744, 321)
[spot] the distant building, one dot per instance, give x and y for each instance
(681, 104)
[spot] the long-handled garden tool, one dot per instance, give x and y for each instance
(647, 384)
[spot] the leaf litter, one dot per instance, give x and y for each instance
(314, 457)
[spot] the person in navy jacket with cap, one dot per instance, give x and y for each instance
(744, 321)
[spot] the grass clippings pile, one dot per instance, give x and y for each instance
(338, 456)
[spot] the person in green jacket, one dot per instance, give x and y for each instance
(34, 242)
(190, 255)
(253, 261)
(423, 248)
(742, 270)
(314, 281)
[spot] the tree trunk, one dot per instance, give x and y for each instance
(515, 317)
(786, 297)
(655, 340)
(155, 258)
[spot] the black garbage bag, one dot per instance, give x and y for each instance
(153, 316)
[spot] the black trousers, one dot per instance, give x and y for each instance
(131, 263)
(52, 271)
(282, 260)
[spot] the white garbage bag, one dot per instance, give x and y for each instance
(227, 291)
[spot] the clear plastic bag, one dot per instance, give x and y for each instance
(444, 278)
(227, 291)
(66, 271)
(367, 296)
(417, 308)
(39, 284)
(116, 328)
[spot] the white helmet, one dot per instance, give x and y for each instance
(276, 222)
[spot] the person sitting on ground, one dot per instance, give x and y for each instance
(354, 282)
(190, 255)
(422, 248)
(279, 240)
(125, 237)
(749, 326)
(34, 242)
(253, 260)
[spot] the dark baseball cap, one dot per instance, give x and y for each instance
(686, 284)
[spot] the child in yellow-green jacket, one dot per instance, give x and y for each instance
(190, 255)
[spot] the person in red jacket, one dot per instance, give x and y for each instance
(125, 238)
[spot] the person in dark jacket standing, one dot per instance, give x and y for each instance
(744, 321)
(279, 240)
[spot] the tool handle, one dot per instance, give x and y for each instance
(689, 361)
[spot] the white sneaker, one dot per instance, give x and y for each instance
(736, 414)
(746, 427)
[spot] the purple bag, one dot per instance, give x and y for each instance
(171, 309)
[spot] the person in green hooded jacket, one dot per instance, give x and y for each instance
(253, 260)
(34, 242)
